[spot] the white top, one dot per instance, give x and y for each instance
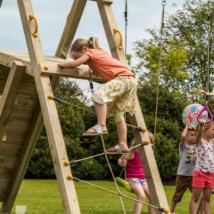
(205, 157)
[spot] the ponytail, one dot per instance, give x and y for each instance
(94, 43)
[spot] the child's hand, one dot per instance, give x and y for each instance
(187, 121)
(202, 122)
(122, 162)
(60, 65)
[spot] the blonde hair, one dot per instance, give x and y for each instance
(133, 143)
(207, 126)
(91, 43)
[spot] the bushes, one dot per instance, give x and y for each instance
(41, 164)
(89, 170)
(166, 155)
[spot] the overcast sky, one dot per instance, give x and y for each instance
(51, 15)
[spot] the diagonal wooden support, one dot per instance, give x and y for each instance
(147, 155)
(9, 94)
(72, 23)
(49, 112)
(24, 159)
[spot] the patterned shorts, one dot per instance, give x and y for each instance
(119, 93)
(136, 181)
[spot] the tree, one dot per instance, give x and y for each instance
(184, 58)
(183, 68)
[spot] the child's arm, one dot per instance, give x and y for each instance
(184, 135)
(122, 161)
(77, 62)
(200, 131)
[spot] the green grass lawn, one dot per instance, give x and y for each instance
(42, 196)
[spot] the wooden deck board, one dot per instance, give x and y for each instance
(4, 184)
(21, 113)
(9, 149)
(8, 162)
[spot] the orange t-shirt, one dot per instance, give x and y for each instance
(104, 65)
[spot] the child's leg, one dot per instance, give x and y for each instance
(182, 183)
(121, 130)
(101, 111)
(206, 200)
(101, 115)
(196, 193)
(146, 190)
(122, 135)
(138, 190)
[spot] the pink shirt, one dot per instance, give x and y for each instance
(104, 65)
(134, 168)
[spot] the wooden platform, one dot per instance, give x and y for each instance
(19, 106)
(7, 57)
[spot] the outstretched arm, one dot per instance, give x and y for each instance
(184, 135)
(200, 132)
(75, 63)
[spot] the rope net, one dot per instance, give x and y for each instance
(105, 153)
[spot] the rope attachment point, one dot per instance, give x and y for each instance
(67, 163)
(163, 210)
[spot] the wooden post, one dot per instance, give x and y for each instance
(147, 156)
(49, 111)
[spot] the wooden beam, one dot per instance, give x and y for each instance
(1, 2)
(104, 1)
(70, 28)
(7, 57)
(109, 24)
(147, 156)
(9, 94)
(50, 115)
(82, 72)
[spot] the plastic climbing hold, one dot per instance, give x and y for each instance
(50, 96)
(191, 113)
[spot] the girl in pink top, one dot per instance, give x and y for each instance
(135, 176)
(119, 92)
(203, 176)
